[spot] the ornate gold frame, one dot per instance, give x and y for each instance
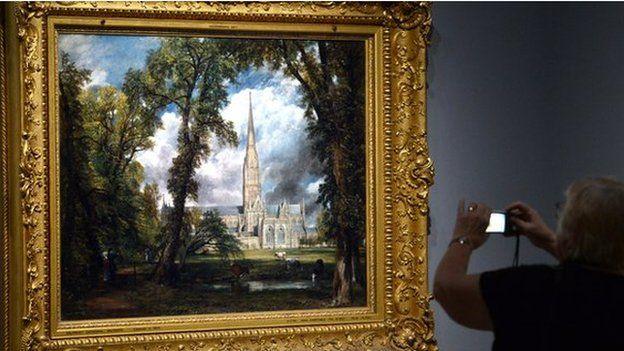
(399, 174)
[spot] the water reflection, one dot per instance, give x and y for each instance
(263, 285)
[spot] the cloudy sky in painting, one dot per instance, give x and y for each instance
(285, 160)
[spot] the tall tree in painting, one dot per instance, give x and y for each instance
(330, 74)
(101, 201)
(81, 248)
(188, 74)
(116, 131)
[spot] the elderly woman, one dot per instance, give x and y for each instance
(576, 305)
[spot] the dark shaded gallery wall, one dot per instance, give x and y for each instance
(523, 99)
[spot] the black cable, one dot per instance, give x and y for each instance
(516, 259)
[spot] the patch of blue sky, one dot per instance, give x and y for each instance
(108, 57)
(251, 78)
(268, 185)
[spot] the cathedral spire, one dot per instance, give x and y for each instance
(251, 167)
(251, 132)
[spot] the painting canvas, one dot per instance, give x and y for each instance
(208, 175)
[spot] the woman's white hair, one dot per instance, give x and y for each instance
(591, 227)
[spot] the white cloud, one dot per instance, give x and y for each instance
(157, 160)
(98, 78)
(80, 47)
(313, 188)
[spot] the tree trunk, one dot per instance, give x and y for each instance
(183, 256)
(342, 283)
(343, 274)
(167, 271)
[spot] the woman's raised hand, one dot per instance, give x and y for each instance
(530, 224)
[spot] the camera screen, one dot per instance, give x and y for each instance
(497, 223)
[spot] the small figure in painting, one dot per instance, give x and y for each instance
(148, 256)
(107, 268)
(293, 264)
(239, 271)
(318, 272)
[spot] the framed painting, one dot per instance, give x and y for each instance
(215, 176)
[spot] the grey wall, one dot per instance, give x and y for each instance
(589, 96)
(522, 99)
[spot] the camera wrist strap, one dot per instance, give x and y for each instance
(516, 259)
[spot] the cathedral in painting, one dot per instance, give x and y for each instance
(260, 225)
(256, 224)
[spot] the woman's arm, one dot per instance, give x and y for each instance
(456, 291)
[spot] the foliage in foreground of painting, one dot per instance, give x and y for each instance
(102, 203)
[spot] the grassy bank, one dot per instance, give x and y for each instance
(134, 294)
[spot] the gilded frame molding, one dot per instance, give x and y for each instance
(400, 170)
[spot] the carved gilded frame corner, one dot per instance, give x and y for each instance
(399, 171)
